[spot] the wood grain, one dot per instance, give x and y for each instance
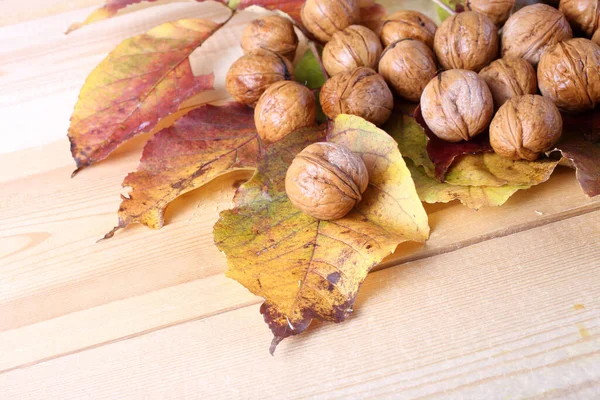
(499, 303)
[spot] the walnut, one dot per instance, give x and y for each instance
(457, 105)
(323, 18)
(524, 127)
(596, 37)
(252, 74)
(531, 30)
(355, 46)
(583, 15)
(407, 24)
(509, 77)
(273, 33)
(407, 66)
(468, 40)
(497, 11)
(283, 108)
(362, 92)
(326, 181)
(569, 74)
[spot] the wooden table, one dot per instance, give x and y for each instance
(500, 303)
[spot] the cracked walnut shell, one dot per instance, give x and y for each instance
(355, 46)
(408, 24)
(467, 40)
(323, 18)
(283, 108)
(273, 33)
(569, 74)
(407, 66)
(524, 127)
(457, 105)
(326, 181)
(362, 92)
(533, 29)
(252, 74)
(497, 11)
(509, 77)
(583, 15)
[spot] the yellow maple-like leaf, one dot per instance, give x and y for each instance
(306, 268)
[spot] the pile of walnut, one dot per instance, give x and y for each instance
(453, 70)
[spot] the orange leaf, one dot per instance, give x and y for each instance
(143, 80)
(209, 141)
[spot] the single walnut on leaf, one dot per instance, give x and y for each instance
(497, 11)
(252, 74)
(525, 127)
(569, 74)
(533, 29)
(468, 40)
(362, 92)
(509, 77)
(457, 105)
(407, 66)
(407, 24)
(355, 46)
(326, 181)
(583, 15)
(284, 107)
(324, 18)
(273, 33)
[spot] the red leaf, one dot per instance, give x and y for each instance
(443, 153)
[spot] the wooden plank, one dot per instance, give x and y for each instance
(508, 317)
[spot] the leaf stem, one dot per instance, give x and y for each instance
(444, 6)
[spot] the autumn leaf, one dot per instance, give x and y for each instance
(580, 143)
(207, 142)
(306, 268)
(309, 70)
(432, 191)
(143, 80)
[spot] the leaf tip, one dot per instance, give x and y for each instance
(110, 234)
(274, 343)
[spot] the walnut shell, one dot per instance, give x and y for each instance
(323, 18)
(509, 77)
(468, 40)
(252, 74)
(531, 30)
(524, 127)
(457, 105)
(407, 24)
(569, 74)
(407, 66)
(284, 107)
(497, 11)
(596, 37)
(355, 46)
(273, 33)
(583, 15)
(326, 181)
(362, 92)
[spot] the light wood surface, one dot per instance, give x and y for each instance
(500, 303)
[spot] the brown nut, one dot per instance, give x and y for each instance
(569, 74)
(252, 74)
(468, 40)
(362, 92)
(355, 46)
(509, 77)
(531, 30)
(284, 107)
(497, 11)
(323, 18)
(407, 66)
(524, 127)
(457, 105)
(273, 33)
(407, 24)
(596, 37)
(326, 181)
(583, 15)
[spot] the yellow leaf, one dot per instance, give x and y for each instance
(306, 268)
